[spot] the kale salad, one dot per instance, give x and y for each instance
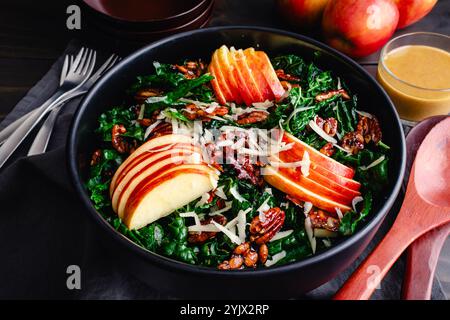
(243, 161)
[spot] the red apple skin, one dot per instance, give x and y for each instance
(317, 158)
(325, 177)
(287, 185)
(359, 27)
(216, 86)
(302, 14)
(258, 75)
(412, 11)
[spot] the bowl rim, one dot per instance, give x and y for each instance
(174, 265)
(183, 14)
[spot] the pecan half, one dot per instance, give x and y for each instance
(369, 129)
(263, 253)
(322, 220)
(329, 94)
(328, 125)
(252, 117)
(264, 230)
(286, 76)
(118, 142)
(146, 93)
(192, 112)
(191, 69)
(243, 255)
(327, 149)
(96, 156)
(353, 142)
(200, 237)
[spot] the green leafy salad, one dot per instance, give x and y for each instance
(258, 207)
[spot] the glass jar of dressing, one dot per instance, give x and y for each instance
(414, 69)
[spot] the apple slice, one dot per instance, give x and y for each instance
(262, 62)
(170, 191)
(217, 89)
(317, 157)
(288, 186)
(306, 182)
(148, 171)
(241, 81)
(247, 74)
(262, 84)
(152, 144)
(150, 166)
(175, 150)
(227, 70)
(219, 84)
(320, 174)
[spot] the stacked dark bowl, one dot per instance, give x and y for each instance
(141, 21)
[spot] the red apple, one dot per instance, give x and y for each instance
(359, 27)
(285, 184)
(303, 14)
(227, 70)
(412, 11)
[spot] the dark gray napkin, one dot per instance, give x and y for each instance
(44, 229)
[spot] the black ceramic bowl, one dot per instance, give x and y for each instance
(183, 280)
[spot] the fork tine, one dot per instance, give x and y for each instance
(82, 61)
(91, 57)
(77, 60)
(64, 70)
(91, 67)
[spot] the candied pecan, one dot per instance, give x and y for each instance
(288, 86)
(146, 93)
(118, 142)
(329, 94)
(286, 76)
(369, 129)
(191, 69)
(192, 112)
(145, 122)
(252, 117)
(323, 220)
(263, 253)
(247, 171)
(264, 230)
(224, 265)
(251, 258)
(243, 248)
(353, 142)
(327, 149)
(329, 125)
(200, 237)
(96, 156)
(236, 262)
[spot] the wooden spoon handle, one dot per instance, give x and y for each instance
(369, 274)
(421, 264)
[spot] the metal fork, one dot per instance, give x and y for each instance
(40, 143)
(76, 77)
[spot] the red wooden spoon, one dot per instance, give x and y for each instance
(425, 207)
(423, 254)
